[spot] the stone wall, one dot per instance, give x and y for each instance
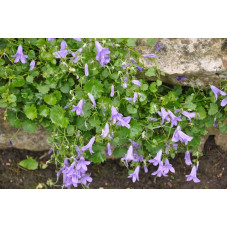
(202, 61)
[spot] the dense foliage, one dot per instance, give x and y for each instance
(93, 97)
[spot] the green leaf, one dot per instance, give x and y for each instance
(29, 126)
(13, 120)
(144, 87)
(2, 104)
(135, 129)
(2, 61)
(152, 109)
(131, 42)
(151, 72)
(99, 153)
(70, 129)
(57, 117)
(213, 109)
(19, 81)
(44, 89)
(44, 110)
(202, 113)
(3, 43)
(30, 111)
(159, 83)
(65, 88)
(94, 87)
(12, 98)
(120, 152)
(50, 99)
(29, 79)
(223, 127)
(29, 163)
(153, 87)
(131, 109)
(151, 41)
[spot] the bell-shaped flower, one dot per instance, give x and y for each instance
(63, 51)
(115, 115)
(76, 58)
(168, 167)
(124, 121)
(135, 174)
(86, 70)
(134, 97)
(153, 119)
(173, 118)
(129, 156)
(32, 65)
(217, 92)
(135, 145)
(145, 169)
(178, 135)
(19, 56)
(215, 125)
(79, 152)
(89, 145)
(140, 69)
(187, 158)
(149, 55)
(109, 151)
(102, 54)
(136, 82)
(192, 175)
(180, 78)
(79, 108)
(51, 39)
(82, 164)
(157, 159)
(77, 39)
(164, 114)
(112, 91)
(160, 171)
(224, 102)
(125, 85)
(159, 46)
(91, 97)
(105, 131)
(189, 115)
(84, 179)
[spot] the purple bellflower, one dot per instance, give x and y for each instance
(224, 102)
(136, 82)
(135, 145)
(180, 78)
(192, 175)
(178, 135)
(77, 39)
(189, 115)
(10, 143)
(63, 51)
(79, 108)
(82, 164)
(79, 152)
(187, 158)
(51, 39)
(105, 131)
(134, 97)
(135, 174)
(145, 169)
(125, 85)
(76, 58)
(157, 158)
(158, 46)
(86, 70)
(109, 151)
(165, 115)
(124, 121)
(112, 91)
(91, 97)
(89, 146)
(168, 167)
(32, 65)
(173, 118)
(160, 171)
(102, 54)
(84, 179)
(140, 69)
(129, 156)
(215, 125)
(19, 56)
(153, 119)
(149, 55)
(115, 115)
(217, 92)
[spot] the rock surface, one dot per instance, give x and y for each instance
(202, 61)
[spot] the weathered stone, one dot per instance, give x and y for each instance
(202, 61)
(22, 140)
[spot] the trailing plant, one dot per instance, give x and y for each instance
(93, 97)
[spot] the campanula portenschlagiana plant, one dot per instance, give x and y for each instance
(94, 98)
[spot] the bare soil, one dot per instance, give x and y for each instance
(112, 175)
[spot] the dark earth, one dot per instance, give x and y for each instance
(113, 175)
